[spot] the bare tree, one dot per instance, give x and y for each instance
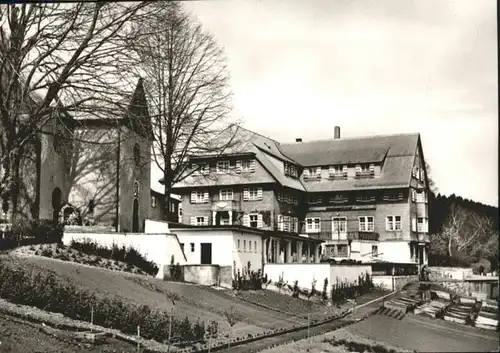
(465, 228)
(57, 59)
(188, 94)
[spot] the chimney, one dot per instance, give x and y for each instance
(298, 140)
(336, 134)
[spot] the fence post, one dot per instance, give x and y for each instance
(138, 338)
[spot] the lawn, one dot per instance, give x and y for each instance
(190, 300)
(33, 340)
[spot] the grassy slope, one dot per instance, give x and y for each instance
(33, 340)
(191, 300)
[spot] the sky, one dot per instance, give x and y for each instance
(299, 68)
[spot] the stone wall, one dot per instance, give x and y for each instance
(393, 282)
(438, 273)
(205, 275)
(159, 247)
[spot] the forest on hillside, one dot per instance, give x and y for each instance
(463, 233)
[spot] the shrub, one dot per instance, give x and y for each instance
(46, 291)
(130, 256)
(175, 270)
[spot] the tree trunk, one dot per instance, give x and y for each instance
(166, 201)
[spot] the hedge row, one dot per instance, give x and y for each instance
(128, 255)
(47, 292)
(30, 233)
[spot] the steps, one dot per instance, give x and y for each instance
(393, 313)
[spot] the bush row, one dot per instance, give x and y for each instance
(30, 233)
(47, 292)
(128, 255)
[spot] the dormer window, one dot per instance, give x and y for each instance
(290, 170)
(337, 172)
(223, 167)
(365, 171)
(314, 200)
(339, 198)
(365, 198)
(203, 169)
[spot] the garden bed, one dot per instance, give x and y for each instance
(64, 253)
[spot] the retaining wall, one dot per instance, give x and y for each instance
(393, 282)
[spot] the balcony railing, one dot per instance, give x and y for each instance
(365, 175)
(357, 235)
(353, 235)
(424, 238)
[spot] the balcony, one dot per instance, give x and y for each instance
(424, 238)
(337, 176)
(357, 235)
(365, 175)
(225, 205)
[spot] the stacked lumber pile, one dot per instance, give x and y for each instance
(460, 313)
(432, 309)
(441, 295)
(487, 317)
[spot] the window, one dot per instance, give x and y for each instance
(290, 170)
(252, 194)
(137, 154)
(413, 224)
(172, 207)
(192, 247)
(422, 225)
(253, 220)
(153, 201)
(365, 171)
(365, 198)
(374, 250)
(413, 195)
(255, 245)
(393, 223)
(421, 197)
(342, 250)
(200, 221)
(366, 224)
(223, 167)
(238, 244)
(224, 221)
(314, 200)
(244, 245)
(203, 168)
(305, 173)
(199, 197)
(313, 225)
(248, 166)
(393, 196)
(249, 245)
(339, 198)
(339, 226)
(226, 194)
(337, 171)
(182, 247)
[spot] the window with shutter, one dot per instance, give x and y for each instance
(259, 221)
(280, 222)
(413, 195)
(193, 220)
(344, 171)
(313, 225)
(254, 220)
(205, 196)
(358, 169)
(246, 194)
(246, 220)
(238, 167)
(259, 194)
(252, 165)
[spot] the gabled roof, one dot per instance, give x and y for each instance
(396, 154)
(350, 150)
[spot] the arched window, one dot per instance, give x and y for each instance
(137, 154)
